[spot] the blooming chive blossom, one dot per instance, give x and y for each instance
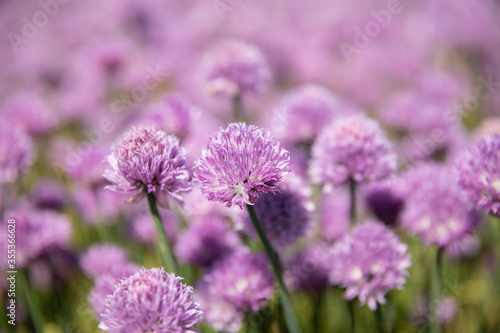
(352, 148)
(479, 174)
(16, 152)
(206, 242)
(148, 161)
(284, 216)
(305, 111)
(105, 285)
(436, 209)
(309, 269)
(239, 163)
(243, 280)
(151, 301)
(369, 262)
(236, 68)
(102, 259)
(384, 200)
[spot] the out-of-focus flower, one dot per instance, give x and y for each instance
(142, 226)
(309, 269)
(479, 174)
(37, 232)
(101, 259)
(239, 163)
(284, 216)
(152, 301)
(29, 113)
(243, 280)
(369, 262)
(48, 194)
(88, 167)
(206, 242)
(334, 213)
(234, 68)
(16, 152)
(305, 111)
(436, 209)
(446, 309)
(218, 313)
(105, 285)
(384, 200)
(354, 148)
(148, 161)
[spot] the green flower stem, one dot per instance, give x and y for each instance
(379, 318)
(352, 193)
(350, 305)
(166, 252)
(238, 108)
(31, 302)
(436, 291)
(286, 303)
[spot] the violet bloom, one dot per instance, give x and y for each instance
(369, 262)
(385, 201)
(148, 161)
(37, 232)
(151, 301)
(479, 174)
(305, 111)
(206, 242)
(309, 269)
(28, 112)
(354, 148)
(101, 259)
(284, 216)
(446, 309)
(48, 194)
(436, 209)
(334, 213)
(239, 163)
(235, 68)
(243, 280)
(16, 152)
(219, 314)
(105, 285)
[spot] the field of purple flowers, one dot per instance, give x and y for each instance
(250, 166)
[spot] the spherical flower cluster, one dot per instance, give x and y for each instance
(148, 161)
(101, 259)
(436, 209)
(28, 112)
(16, 153)
(105, 285)
(234, 68)
(309, 269)
(239, 163)
(334, 213)
(369, 262)
(48, 194)
(243, 280)
(88, 168)
(384, 200)
(37, 232)
(479, 174)
(352, 148)
(305, 111)
(151, 301)
(284, 216)
(206, 242)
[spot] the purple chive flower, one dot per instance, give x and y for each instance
(479, 174)
(37, 232)
(239, 163)
(309, 269)
(16, 152)
(284, 216)
(48, 194)
(234, 68)
(384, 200)
(151, 301)
(243, 280)
(354, 148)
(105, 285)
(369, 262)
(334, 213)
(219, 314)
(147, 160)
(436, 209)
(206, 242)
(446, 309)
(305, 111)
(101, 259)
(88, 168)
